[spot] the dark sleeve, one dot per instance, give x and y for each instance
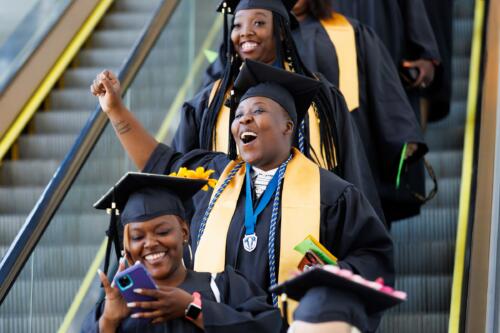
(353, 163)
(91, 321)
(420, 40)
(187, 135)
(243, 307)
(388, 110)
(165, 160)
(358, 238)
(213, 73)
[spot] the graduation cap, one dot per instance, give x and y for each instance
(281, 7)
(294, 92)
(139, 197)
(376, 299)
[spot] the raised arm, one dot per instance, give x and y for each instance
(135, 139)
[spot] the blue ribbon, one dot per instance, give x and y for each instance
(250, 214)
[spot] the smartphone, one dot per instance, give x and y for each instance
(135, 277)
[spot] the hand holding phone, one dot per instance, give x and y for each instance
(115, 307)
(135, 277)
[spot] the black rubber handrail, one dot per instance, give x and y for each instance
(53, 195)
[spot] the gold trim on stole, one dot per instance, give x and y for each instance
(343, 37)
(220, 141)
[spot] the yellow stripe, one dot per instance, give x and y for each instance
(84, 287)
(160, 136)
(55, 73)
(181, 95)
(468, 154)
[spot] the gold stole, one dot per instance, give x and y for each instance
(300, 216)
(343, 37)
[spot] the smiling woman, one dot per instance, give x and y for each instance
(252, 35)
(155, 234)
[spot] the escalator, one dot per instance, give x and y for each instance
(48, 284)
(54, 128)
(58, 285)
(425, 245)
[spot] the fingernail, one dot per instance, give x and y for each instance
(131, 305)
(135, 315)
(137, 291)
(99, 271)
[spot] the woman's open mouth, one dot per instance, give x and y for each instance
(248, 137)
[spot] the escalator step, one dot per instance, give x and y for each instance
(36, 323)
(45, 146)
(61, 122)
(102, 58)
(415, 323)
(16, 200)
(106, 39)
(446, 163)
(73, 99)
(79, 229)
(433, 224)
(42, 289)
(447, 196)
(124, 21)
(146, 6)
(426, 257)
(456, 118)
(460, 89)
(82, 77)
(463, 9)
(460, 67)
(461, 46)
(449, 138)
(64, 262)
(27, 173)
(428, 293)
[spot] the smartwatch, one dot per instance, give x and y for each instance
(193, 310)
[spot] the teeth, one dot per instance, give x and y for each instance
(154, 256)
(247, 46)
(247, 135)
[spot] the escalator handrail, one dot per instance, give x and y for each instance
(25, 242)
(458, 299)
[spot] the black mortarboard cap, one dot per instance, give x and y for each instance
(139, 197)
(296, 287)
(294, 92)
(281, 7)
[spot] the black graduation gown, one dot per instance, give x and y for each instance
(243, 307)
(384, 118)
(354, 165)
(349, 227)
(403, 27)
(439, 93)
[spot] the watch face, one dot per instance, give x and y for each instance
(193, 311)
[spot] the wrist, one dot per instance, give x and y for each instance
(108, 324)
(194, 308)
(115, 111)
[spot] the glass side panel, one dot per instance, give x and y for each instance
(49, 283)
(23, 25)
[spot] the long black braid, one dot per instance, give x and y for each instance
(326, 112)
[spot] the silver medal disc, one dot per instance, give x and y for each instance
(250, 242)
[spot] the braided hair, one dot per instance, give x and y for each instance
(286, 52)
